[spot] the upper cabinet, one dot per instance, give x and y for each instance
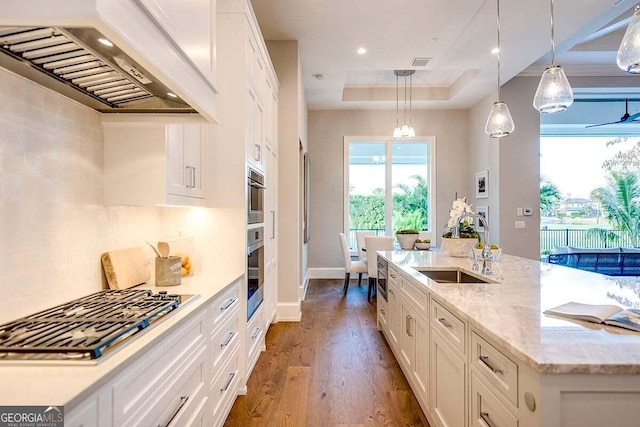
(156, 164)
(191, 25)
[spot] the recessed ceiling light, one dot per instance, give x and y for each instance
(105, 42)
(495, 50)
(171, 94)
(362, 51)
(434, 39)
(317, 76)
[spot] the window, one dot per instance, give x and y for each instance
(389, 185)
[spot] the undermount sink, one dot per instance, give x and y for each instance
(452, 276)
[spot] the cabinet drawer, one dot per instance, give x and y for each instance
(186, 401)
(451, 328)
(394, 277)
(225, 339)
(415, 295)
(255, 333)
(225, 384)
(223, 305)
(498, 370)
(141, 390)
(486, 409)
(383, 313)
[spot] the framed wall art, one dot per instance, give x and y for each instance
(482, 185)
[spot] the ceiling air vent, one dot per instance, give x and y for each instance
(420, 62)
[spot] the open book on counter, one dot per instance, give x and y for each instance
(605, 314)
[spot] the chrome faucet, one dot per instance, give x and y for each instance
(486, 255)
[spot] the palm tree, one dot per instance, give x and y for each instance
(620, 201)
(411, 205)
(549, 195)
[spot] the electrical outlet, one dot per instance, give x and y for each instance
(519, 212)
(520, 224)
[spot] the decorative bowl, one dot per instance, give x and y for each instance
(459, 248)
(423, 246)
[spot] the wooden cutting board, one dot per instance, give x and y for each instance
(125, 268)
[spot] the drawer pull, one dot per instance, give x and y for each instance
(408, 325)
(391, 291)
(228, 304)
(392, 274)
(382, 312)
(485, 361)
(444, 322)
(228, 340)
(183, 401)
(256, 332)
(229, 381)
(486, 419)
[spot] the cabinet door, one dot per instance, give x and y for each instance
(408, 338)
(258, 134)
(421, 366)
(191, 25)
(193, 159)
(249, 126)
(395, 318)
(177, 173)
(448, 398)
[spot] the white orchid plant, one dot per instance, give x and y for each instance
(466, 227)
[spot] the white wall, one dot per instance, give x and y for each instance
(514, 168)
(326, 132)
(53, 224)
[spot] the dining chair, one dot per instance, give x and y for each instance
(359, 267)
(374, 244)
(360, 235)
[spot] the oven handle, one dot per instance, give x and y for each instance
(256, 184)
(254, 247)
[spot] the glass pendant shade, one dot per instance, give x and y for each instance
(500, 123)
(628, 58)
(412, 132)
(397, 133)
(554, 93)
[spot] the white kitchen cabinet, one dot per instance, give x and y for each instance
(413, 342)
(150, 164)
(254, 130)
(271, 237)
(448, 376)
(395, 311)
(254, 341)
(191, 24)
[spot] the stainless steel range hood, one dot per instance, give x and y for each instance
(84, 65)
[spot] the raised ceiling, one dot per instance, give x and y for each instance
(457, 35)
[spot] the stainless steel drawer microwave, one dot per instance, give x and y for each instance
(255, 195)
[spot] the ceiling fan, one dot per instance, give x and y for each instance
(627, 118)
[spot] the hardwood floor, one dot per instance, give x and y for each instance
(334, 368)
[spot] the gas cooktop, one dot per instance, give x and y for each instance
(83, 329)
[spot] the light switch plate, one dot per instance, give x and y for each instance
(519, 212)
(528, 212)
(520, 224)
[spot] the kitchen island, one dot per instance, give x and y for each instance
(144, 380)
(485, 354)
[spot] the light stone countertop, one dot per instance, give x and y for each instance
(62, 383)
(511, 312)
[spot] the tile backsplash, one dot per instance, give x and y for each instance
(54, 225)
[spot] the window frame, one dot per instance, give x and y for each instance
(430, 140)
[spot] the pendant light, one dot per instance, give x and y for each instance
(406, 130)
(499, 123)
(554, 94)
(628, 58)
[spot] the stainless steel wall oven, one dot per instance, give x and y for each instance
(255, 197)
(255, 269)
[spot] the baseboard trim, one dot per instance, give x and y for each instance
(302, 291)
(331, 273)
(289, 312)
(326, 273)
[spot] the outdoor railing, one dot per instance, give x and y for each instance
(351, 237)
(582, 239)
